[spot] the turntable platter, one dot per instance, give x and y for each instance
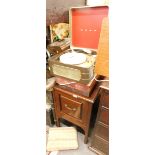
(73, 58)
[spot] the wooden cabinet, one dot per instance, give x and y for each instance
(100, 136)
(74, 108)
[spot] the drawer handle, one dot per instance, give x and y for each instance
(74, 109)
(103, 107)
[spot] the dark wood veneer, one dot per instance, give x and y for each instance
(100, 136)
(74, 108)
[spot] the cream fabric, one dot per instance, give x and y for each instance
(62, 138)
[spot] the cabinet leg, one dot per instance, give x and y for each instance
(86, 137)
(58, 122)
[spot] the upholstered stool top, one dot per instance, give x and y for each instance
(62, 138)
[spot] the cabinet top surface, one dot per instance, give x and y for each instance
(105, 84)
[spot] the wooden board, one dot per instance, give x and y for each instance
(102, 60)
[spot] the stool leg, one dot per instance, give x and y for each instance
(48, 119)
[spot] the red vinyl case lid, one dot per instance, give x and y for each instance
(85, 26)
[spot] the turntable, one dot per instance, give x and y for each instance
(73, 64)
(78, 62)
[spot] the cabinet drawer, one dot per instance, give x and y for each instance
(104, 115)
(101, 145)
(105, 98)
(102, 131)
(71, 107)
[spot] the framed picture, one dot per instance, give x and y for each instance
(59, 31)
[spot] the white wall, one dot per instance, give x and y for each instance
(97, 2)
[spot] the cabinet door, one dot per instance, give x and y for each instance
(71, 108)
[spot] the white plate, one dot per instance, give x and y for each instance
(73, 58)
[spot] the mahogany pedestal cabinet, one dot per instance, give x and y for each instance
(100, 135)
(74, 108)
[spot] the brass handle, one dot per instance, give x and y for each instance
(74, 109)
(103, 107)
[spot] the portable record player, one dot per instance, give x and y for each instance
(78, 62)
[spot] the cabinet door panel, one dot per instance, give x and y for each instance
(104, 116)
(102, 131)
(101, 145)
